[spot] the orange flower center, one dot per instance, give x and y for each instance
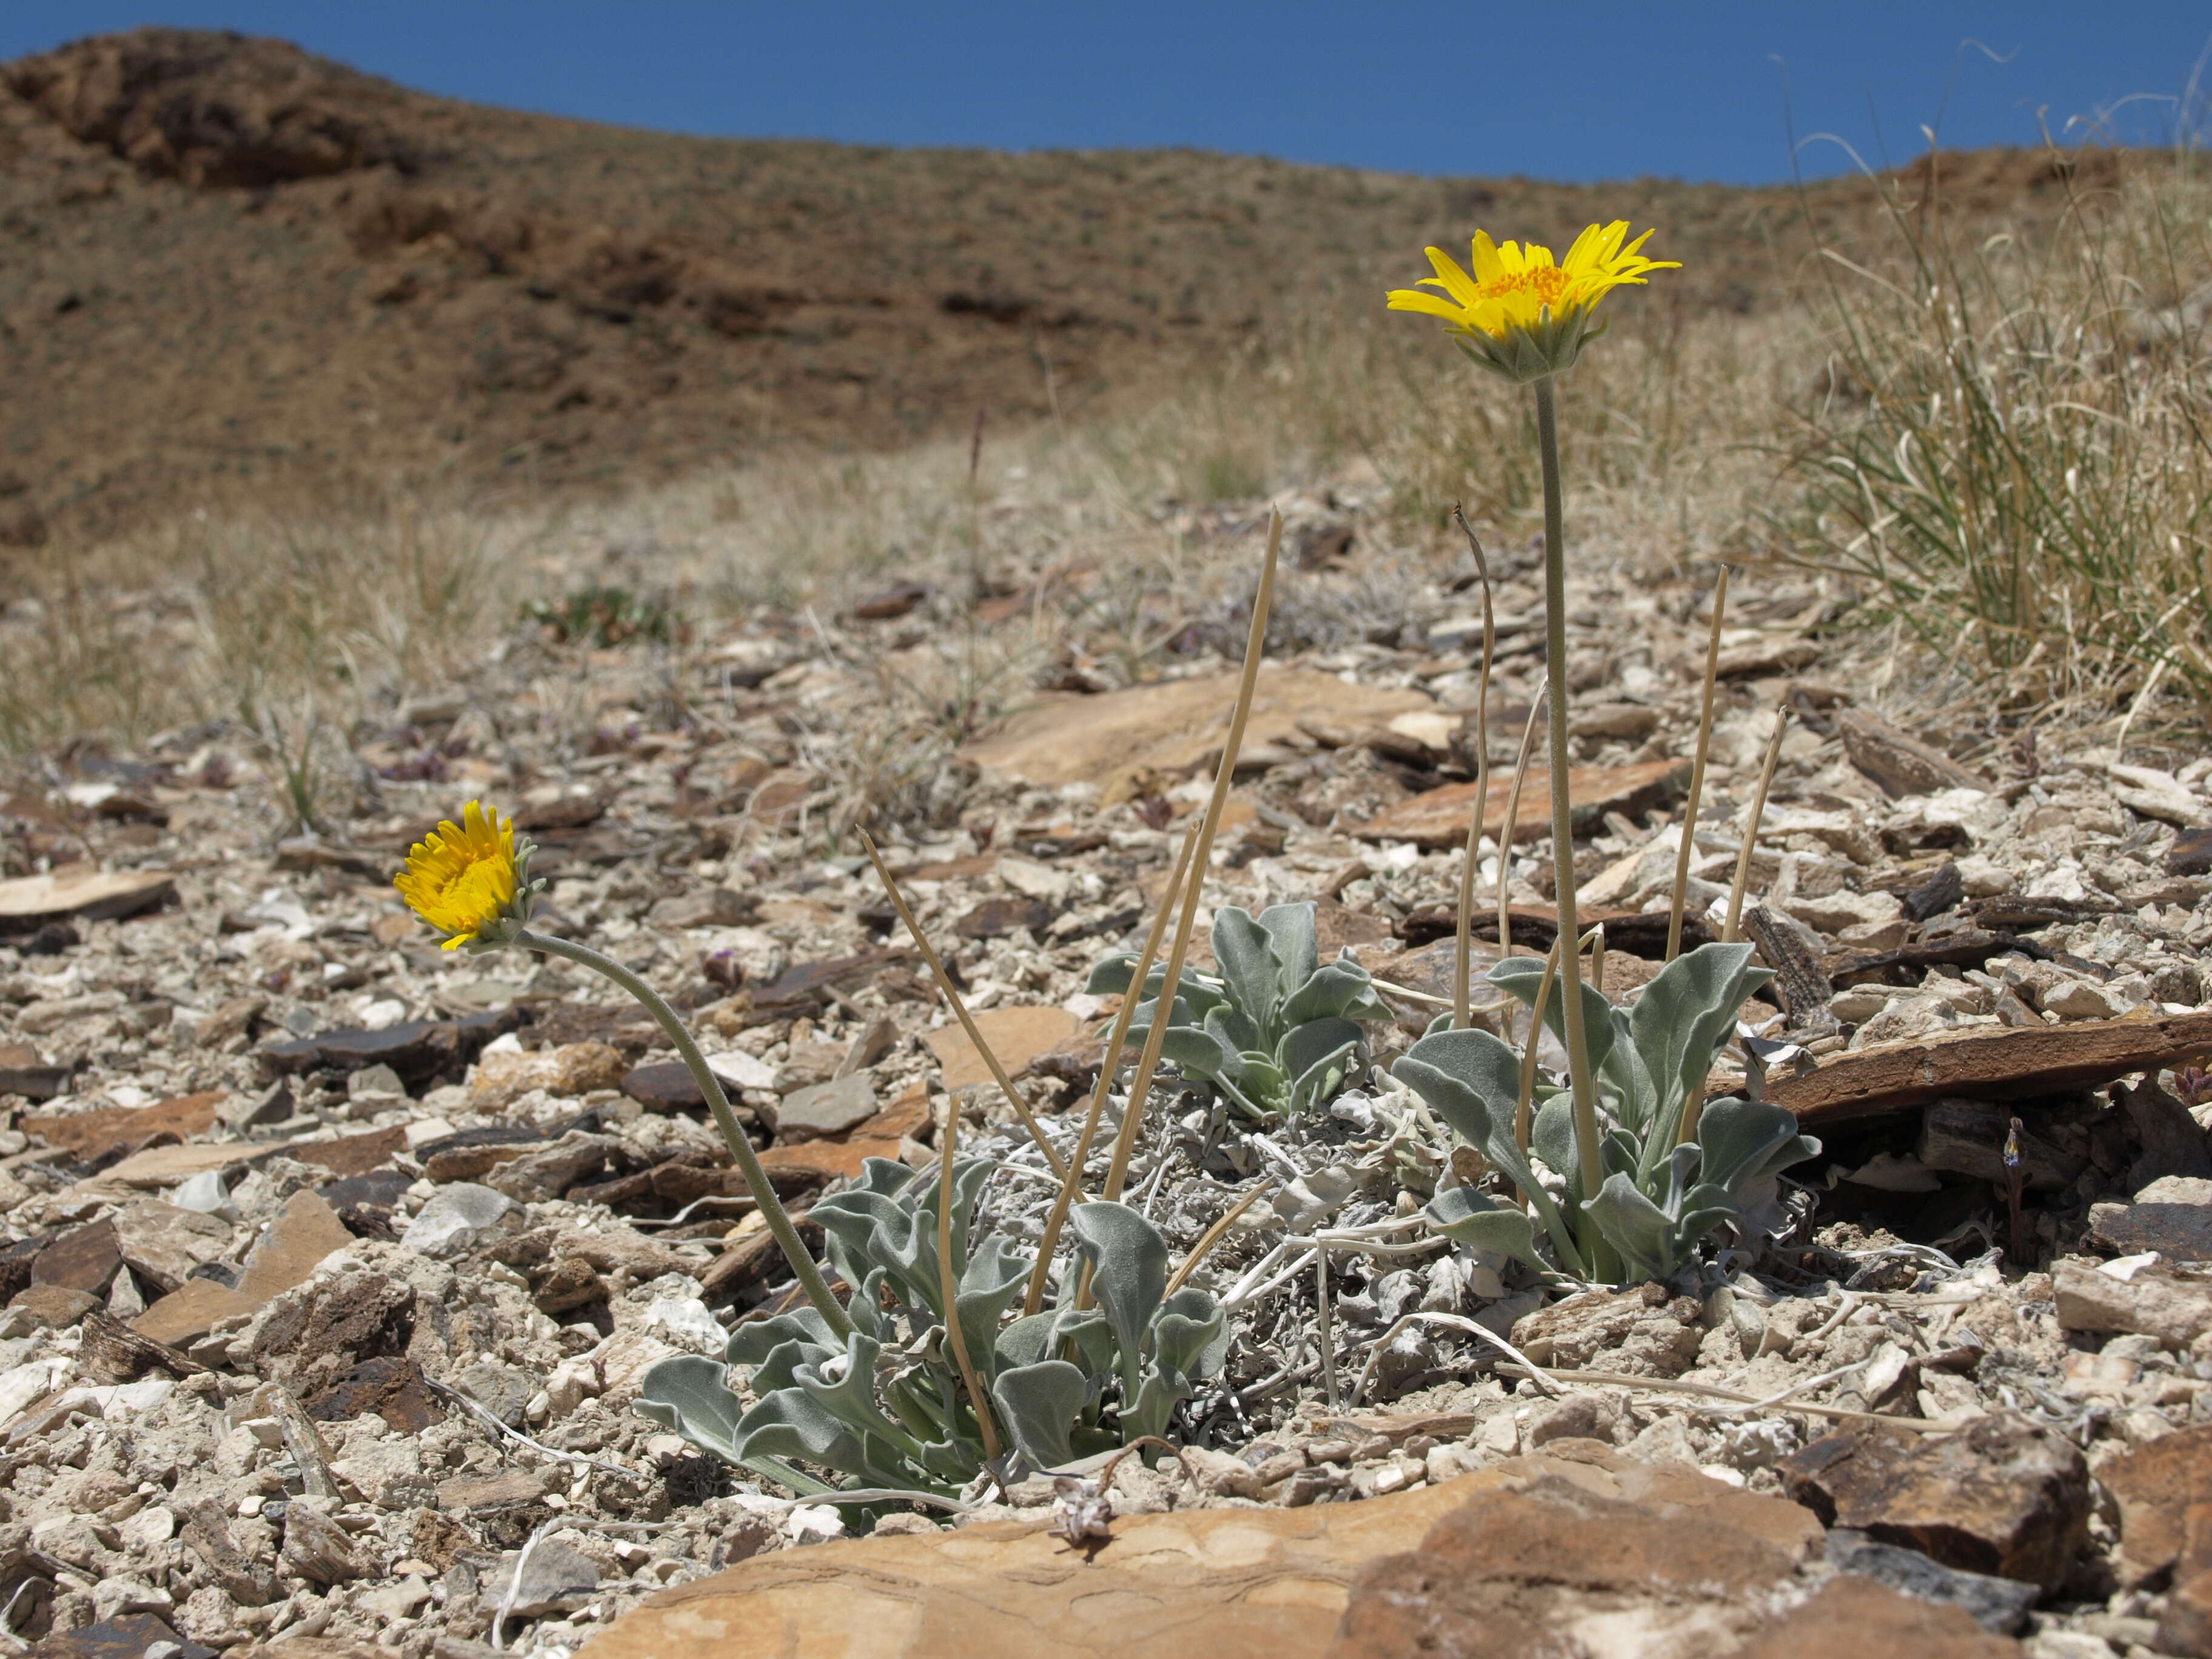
(1544, 284)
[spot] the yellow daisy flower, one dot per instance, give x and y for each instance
(471, 879)
(1519, 313)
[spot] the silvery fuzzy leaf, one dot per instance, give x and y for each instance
(1245, 955)
(1639, 1229)
(1339, 990)
(1482, 1223)
(752, 1342)
(1039, 1404)
(1685, 1018)
(1294, 941)
(690, 1394)
(1745, 1142)
(1129, 1262)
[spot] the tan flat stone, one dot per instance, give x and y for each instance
(292, 1248)
(1225, 1583)
(1016, 1037)
(1438, 818)
(1171, 726)
(102, 1130)
(79, 890)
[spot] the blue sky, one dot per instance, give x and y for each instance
(1597, 90)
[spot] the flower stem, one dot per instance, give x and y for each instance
(771, 1208)
(1563, 841)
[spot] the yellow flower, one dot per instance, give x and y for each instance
(1520, 313)
(471, 879)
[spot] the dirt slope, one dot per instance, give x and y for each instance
(225, 263)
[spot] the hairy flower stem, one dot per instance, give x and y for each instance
(1562, 841)
(1463, 949)
(749, 1165)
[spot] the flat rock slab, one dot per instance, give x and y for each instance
(1438, 818)
(2179, 1232)
(108, 1129)
(297, 1241)
(1172, 726)
(2156, 1486)
(1016, 1037)
(2001, 1064)
(2172, 1303)
(1223, 1583)
(2004, 1498)
(417, 1049)
(29, 901)
(824, 1111)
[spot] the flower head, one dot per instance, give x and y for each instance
(471, 879)
(1520, 313)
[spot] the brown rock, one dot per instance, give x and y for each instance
(86, 1259)
(207, 1533)
(1639, 1330)
(346, 1156)
(317, 1549)
(106, 1129)
(79, 890)
(296, 1243)
(1989, 1065)
(162, 1244)
(113, 1353)
(1232, 1584)
(1900, 764)
(2155, 1484)
(1170, 726)
(391, 1385)
(2004, 1497)
(165, 1166)
(489, 1491)
(1849, 1617)
(1438, 818)
(1017, 1035)
(547, 1172)
(572, 1068)
(24, 1071)
(2173, 1304)
(2186, 1629)
(813, 1162)
(55, 1306)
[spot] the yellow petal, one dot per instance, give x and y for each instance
(1451, 278)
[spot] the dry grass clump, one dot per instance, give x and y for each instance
(279, 618)
(2008, 449)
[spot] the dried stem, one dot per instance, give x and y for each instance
(1214, 1235)
(1732, 932)
(960, 1009)
(1505, 830)
(1133, 1116)
(1040, 1275)
(948, 1283)
(1685, 852)
(1462, 963)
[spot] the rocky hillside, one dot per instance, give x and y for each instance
(226, 263)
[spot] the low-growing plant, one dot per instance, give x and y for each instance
(1276, 1030)
(1676, 1168)
(602, 617)
(884, 1405)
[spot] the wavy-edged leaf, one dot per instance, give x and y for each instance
(1482, 1223)
(1684, 1019)
(1129, 1273)
(690, 1394)
(1645, 1234)
(1039, 1404)
(1294, 941)
(1337, 990)
(1245, 955)
(1745, 1141)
